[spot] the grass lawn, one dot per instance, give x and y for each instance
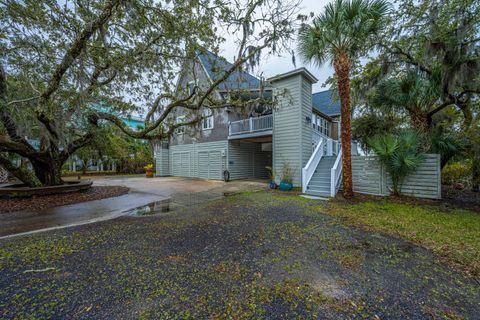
(261, 255)
(451, 233)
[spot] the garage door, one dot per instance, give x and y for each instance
(181, 164)
(210, 164)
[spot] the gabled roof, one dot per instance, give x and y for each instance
(303, 71)
(324, 103)
(215, 67)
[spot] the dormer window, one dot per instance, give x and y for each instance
(207, 122)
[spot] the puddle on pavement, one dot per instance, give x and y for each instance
(162, 206)
(185, 200)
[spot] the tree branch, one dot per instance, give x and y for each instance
(7, 119)
(18, 148)
(76, 48)
(408, 56)
(25, 175)
(22, 100)
(70, 56)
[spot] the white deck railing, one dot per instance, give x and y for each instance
(323, 145)
(251, 125)
(335, 174)
(311, 166)
(317, 137)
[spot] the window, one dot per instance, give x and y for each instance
(191, 86)
(207, 122)
(180, 119)
(321, 124)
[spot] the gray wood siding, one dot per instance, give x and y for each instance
(162, 159)
(369, 176)
(196, 162)
(292, 133)
(306, 105)
(262, 159)
(286, 127)
(209, 164)
(425, 182)
(246, 160)
(240, 159)
(194, 71)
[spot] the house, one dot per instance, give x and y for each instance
(240, 144)
(301, 131)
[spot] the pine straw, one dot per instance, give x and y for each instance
(43, 202)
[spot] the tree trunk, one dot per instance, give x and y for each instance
(476, 169)
(48, 172)
(342, 69)
(422, 122)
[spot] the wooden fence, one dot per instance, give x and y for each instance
(370, 176)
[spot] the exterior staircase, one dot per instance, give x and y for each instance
(322, 174)
(319, 184)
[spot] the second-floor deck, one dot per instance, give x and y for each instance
(251, 127)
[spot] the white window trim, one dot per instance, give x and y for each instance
(209, 119)
(321, 124)
(179, 119)
(190, 86)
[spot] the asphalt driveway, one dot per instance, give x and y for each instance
(248, 256)
(143, 193)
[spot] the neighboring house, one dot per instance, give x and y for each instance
(133, 122)
(240, 144)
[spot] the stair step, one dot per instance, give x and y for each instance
(322, 182)
(320, 178)
(318, 188)
(319, 183)
(325, 164)
(322, 173)
(314, 187)
(319, 193)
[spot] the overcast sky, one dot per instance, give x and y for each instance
(276, 65)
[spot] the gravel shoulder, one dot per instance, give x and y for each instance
(255, 255)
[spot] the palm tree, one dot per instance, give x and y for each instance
(341, 34)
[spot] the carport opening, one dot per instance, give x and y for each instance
(249, 159)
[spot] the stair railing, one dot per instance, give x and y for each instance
(311, 166)
(335, 174)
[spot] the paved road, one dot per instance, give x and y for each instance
(254, 256)
(143, 192)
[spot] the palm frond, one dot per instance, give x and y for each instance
(344, 27)
(399, 154)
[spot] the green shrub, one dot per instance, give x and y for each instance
(457, 172)
(399, 153)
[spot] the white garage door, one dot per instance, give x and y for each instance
(210, 164)
(181, 164)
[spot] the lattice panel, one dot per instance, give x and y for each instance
(3, 175)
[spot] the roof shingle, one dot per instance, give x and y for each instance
(324, 103)
(238, 80)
